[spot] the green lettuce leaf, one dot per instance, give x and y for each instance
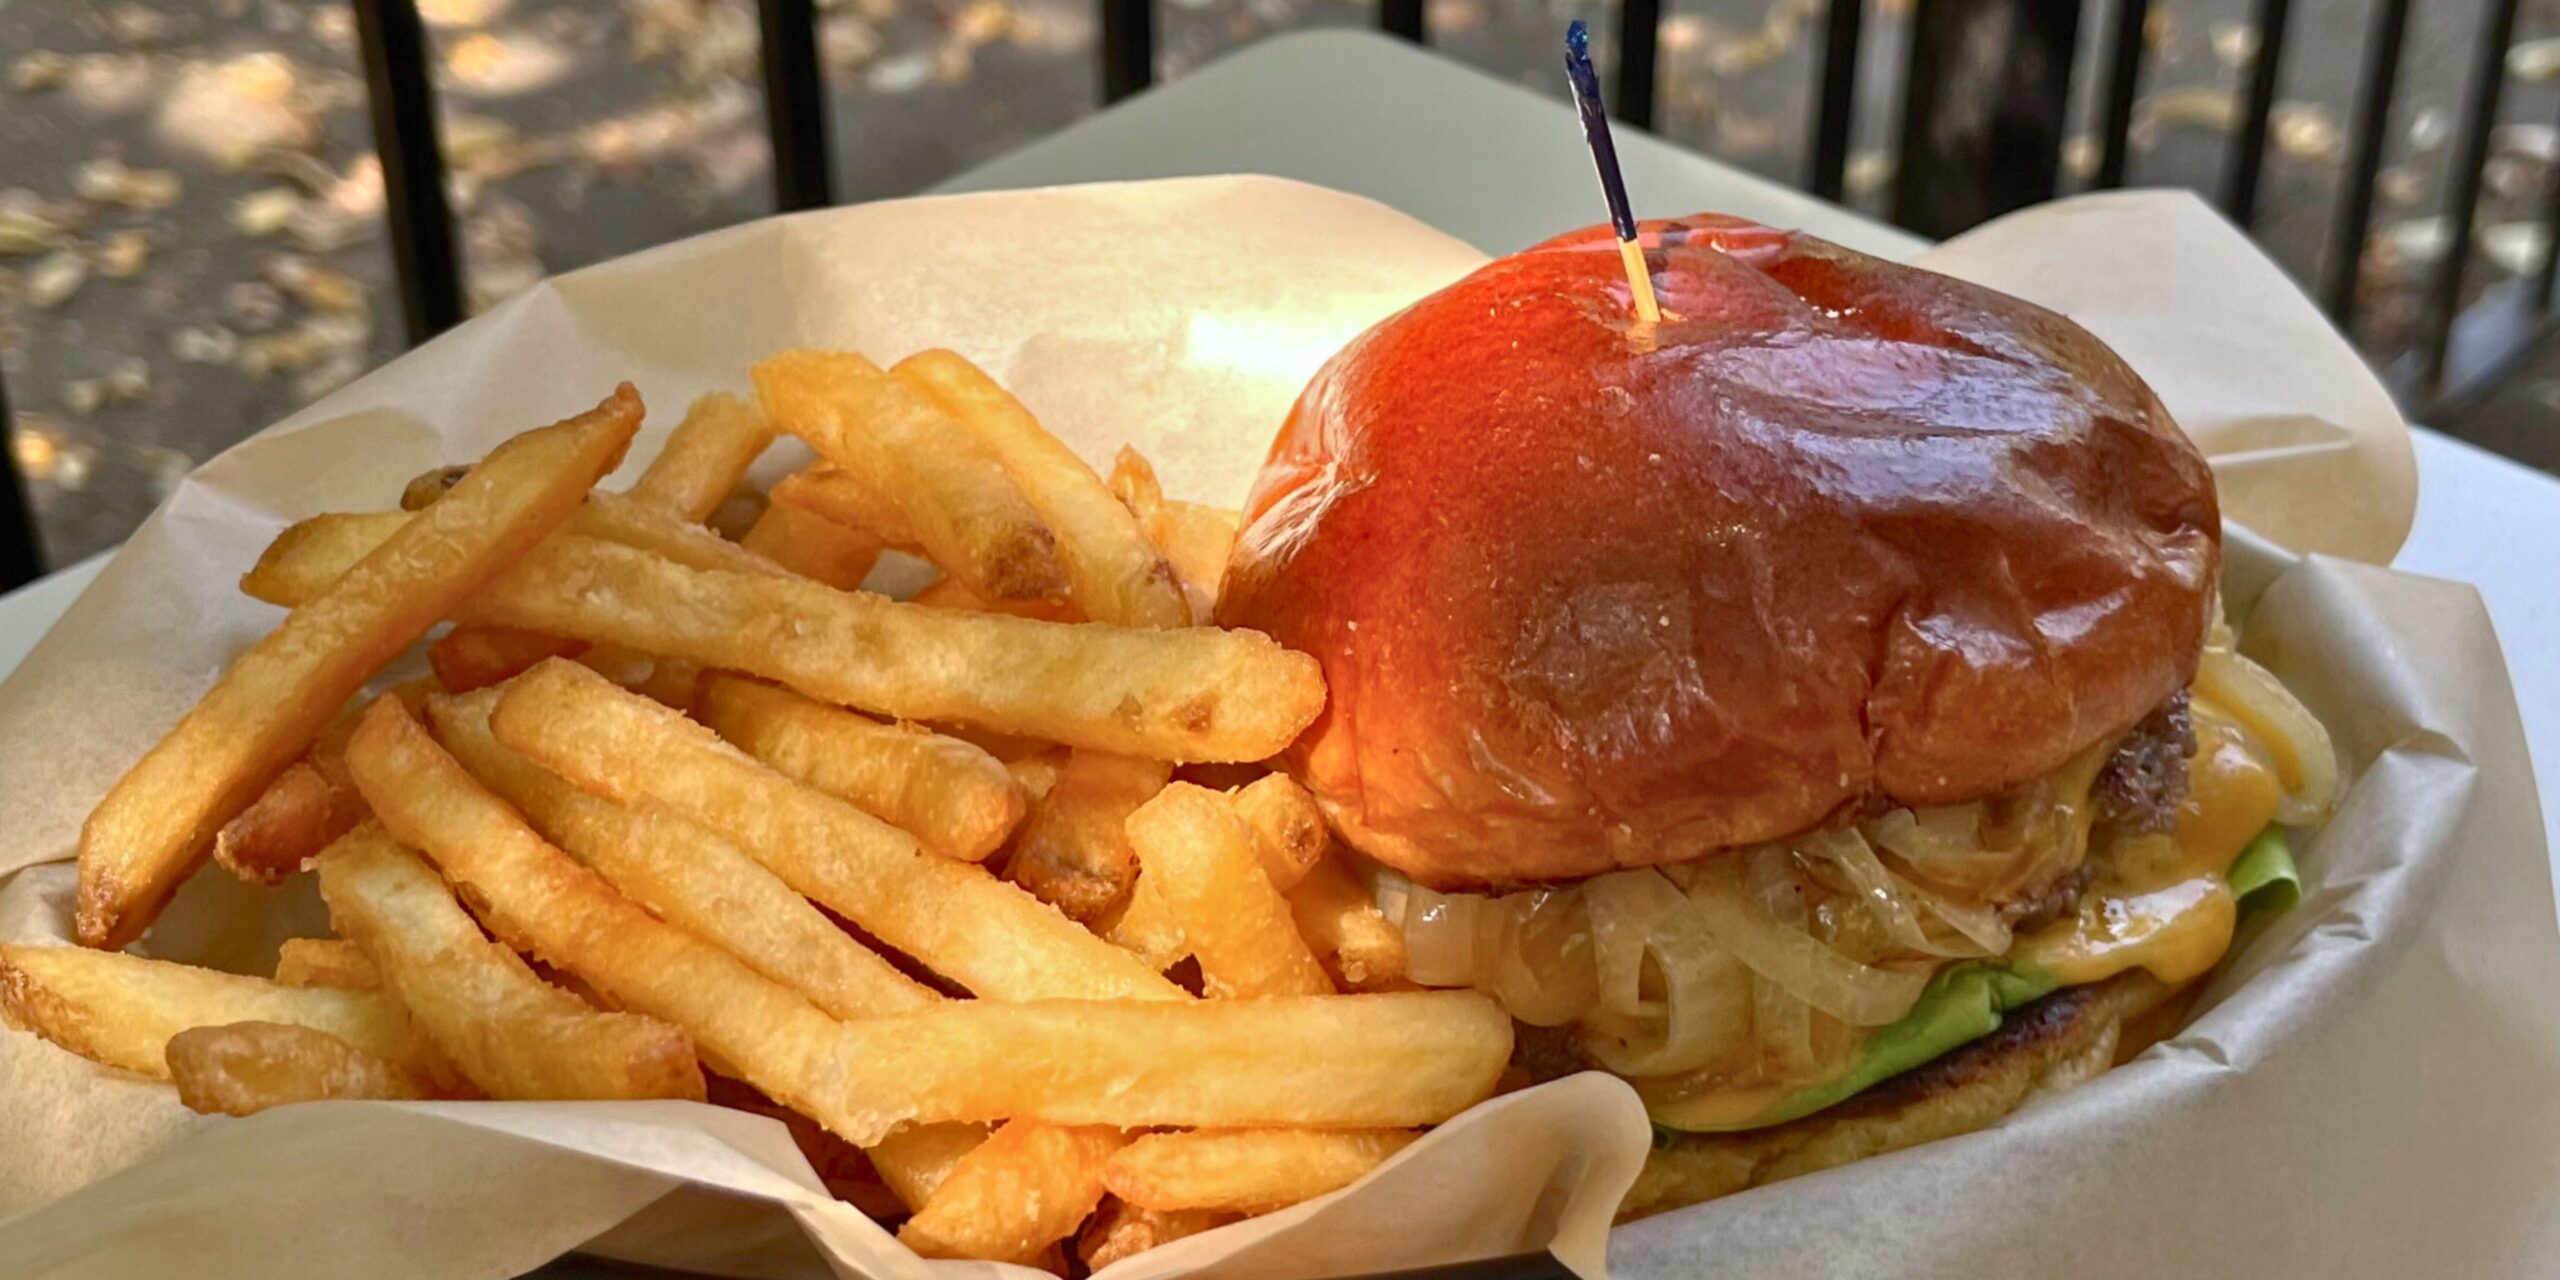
(1964, 1002)
(2264, 877)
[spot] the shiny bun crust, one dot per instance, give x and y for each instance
(1838, 533)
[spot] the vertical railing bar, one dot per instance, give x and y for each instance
(1836, 108)
(1128, 47)
(2249, 152)
(2480, 115)
(403, 105)
(2545, 281)
(795, 105)
(21, 546)
(1403, 18)
(1639, 49)
(2380, 82)
(2124, 85)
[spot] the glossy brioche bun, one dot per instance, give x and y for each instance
(1839, 533)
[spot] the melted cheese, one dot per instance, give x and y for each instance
(2163, 904)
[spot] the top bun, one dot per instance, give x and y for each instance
(1837, 534)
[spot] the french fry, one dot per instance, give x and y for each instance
(950, 593)
(1391, 1060)
(538, 901)
(955, 799)
(966, 512)
(1146, 927)
(916, 1161)
(306, 558)
(1025, 1188)
(692, 878)
(1074, 853)
(848, 501)
(685, 874)
(427, 486)
(309, 805)
(1196, 540)
(243, 1068)
(517, 1037)
(1037, 775)
(310, 554)
(468, 658)
(121, 1010)
(953, 917)
(1114, 574)
(1202, 862)
(1246, 1171)
(158, 823)
(1194, 693)
(1287, 825)
(813, 546)
(1123, 1230)
(326, 962)
(1342, 923)
(286, 826)
(705, 457)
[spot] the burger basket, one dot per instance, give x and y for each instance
(2370, 1086)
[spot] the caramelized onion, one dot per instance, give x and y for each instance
(2280, 727)
(1859, 994)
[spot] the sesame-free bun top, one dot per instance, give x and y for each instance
(1838, 533)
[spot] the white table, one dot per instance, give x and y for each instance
(1501, 168)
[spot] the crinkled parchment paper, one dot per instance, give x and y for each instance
(2369, 1090)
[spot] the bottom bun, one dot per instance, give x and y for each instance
(2050, 1045)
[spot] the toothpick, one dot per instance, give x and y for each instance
(1604, 156)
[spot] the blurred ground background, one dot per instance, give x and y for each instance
(190, 212)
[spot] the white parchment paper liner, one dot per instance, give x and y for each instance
(2367, 1093)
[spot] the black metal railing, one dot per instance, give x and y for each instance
(1984, 99)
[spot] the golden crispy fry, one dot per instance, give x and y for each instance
(286, 826)
(1246, 1170)
(1288, 828)
(468, 658)
(1339, 919)
(325, 962)
(955, 918)
(516, 1036)
(309, 556)
(949, 593)
(1329, 1062)
(1025, 1188)
(685, 874)
(1196, 540)
(1194, 693)
(244, 1068)
(1037, 775)
(1203, 865)
(1146, 927)
(1123, 1230)
(955, 799)
(1114, 574)
(965, 510)
(705, 457)
(813, 546)
(1074, 853)
(541, 903)
(916, 1161)
(848, 501)
(427, 486)
(309, 805)
(121, 1010)
(159, 821)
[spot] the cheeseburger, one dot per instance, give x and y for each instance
(1813, 708)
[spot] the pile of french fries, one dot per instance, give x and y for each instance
(983, 893)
